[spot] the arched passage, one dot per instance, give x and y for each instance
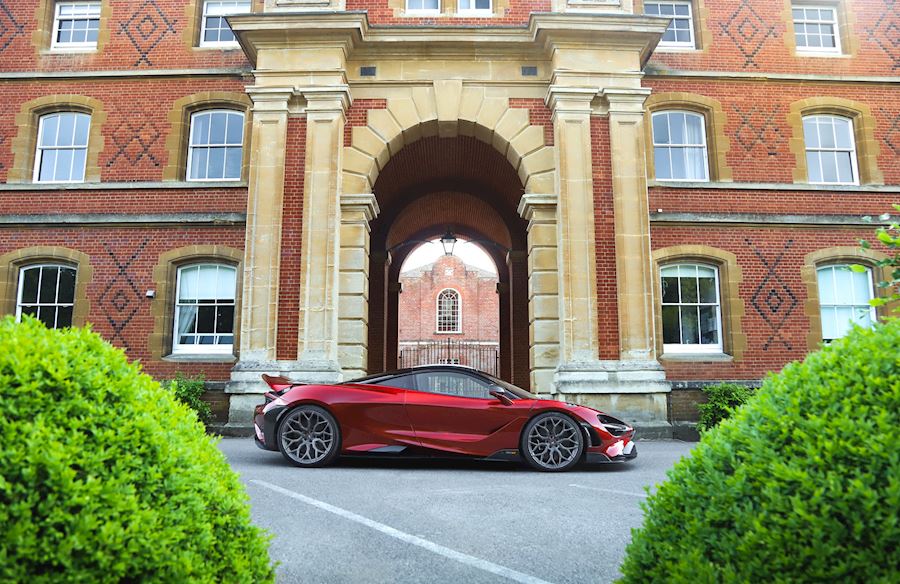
(464, 185)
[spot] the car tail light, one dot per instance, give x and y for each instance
(612, 425)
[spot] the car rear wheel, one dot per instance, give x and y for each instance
(309, 436)
(552, 442)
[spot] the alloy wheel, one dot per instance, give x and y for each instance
(307, 436)
(554, 442)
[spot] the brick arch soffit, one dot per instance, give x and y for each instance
(447, 109)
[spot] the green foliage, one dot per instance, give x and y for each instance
(802, 484)
(889, 235)
(105, 477)
(723, 398)
(188, 390)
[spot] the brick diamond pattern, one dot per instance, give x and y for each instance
(748, 31)
(758, 128)
(146, 28)
(892, 134)
(885, 33)
(9, 27)
(134, 142)
(120, 300)
(773, 299)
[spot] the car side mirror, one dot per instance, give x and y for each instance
(500, 395)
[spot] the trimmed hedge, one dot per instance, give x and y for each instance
(802, 484)
(188, 390)
(723, 398)
(105, 477)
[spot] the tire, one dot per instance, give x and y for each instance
(309, 437)
(552, 442)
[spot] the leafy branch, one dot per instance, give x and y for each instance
(889, 235)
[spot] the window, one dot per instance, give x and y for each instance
(681, 29)
(204, 309)
(691, 311)
(215, 31)
(76, 25)
(423, 5)
(453, 383)
(62, 147)
(448, 312)
(816, 29)
(830, 150)
(679, 146)
(216, 145)
(47, 292)
(474, 6)
(844, 300)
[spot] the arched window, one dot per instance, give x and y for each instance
(844, 299)
(216, 145)
(47, 292)
(679, 146)
(830, 150)
(448, 312)
(691, 309)
(62, 147)
(204, 309)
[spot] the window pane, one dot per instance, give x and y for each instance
(48, 130)
(695, 130)
(207, 283)
(843, 320)
(66, 293)
(690, 326)
(815, 167)
(669, 290)
(63, 165)
(829, 167)
(82, 124)
(200, 134)
(30, 311)
(689, 290)
(48, 285)
(66, 130)
(225, 286)
(187, 319)
(63, 316)
(206, 319)
(224, 319)
(189, 283)
(696, 163)
(48, 165)
(826, 133)
(30, 285)
(483, 4)
(863, 317)
(681, 9)
(826, 285)
(707, 289)
(47, 315)
(679, 164)
(843, 284)
(79, 159)
(233, 161)
(216, 165)
(810, 132)
(676, 127)
(660, 129)
(861, 291)
(217, 128)
(709, 325)
(198, 162)
(235, 131)
(662, 163)
(671, 327)
(844, 167)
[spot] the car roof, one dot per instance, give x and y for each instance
(416, 369)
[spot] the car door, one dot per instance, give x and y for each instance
(454, 411)
(374, 417)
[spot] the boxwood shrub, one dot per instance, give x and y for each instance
(722, 399)
(105, 477)
(802, 484)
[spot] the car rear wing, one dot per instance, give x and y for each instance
(278, 383)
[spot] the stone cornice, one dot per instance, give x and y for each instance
(531, 202)
(365, 202)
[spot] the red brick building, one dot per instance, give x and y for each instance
(678, 183)
(449, 313)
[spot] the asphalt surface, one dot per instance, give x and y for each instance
(437, 521)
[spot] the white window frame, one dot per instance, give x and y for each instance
(197, 349)
(437, 324)
(854, 163)
(671, 145)
(475, 11)
(191, 145)
(695, 349)
(822, 51)
(822, 307)
(56, 303)
(682, 45)
(40, 149)
(55, 45)
(205, 13)
(420, 11)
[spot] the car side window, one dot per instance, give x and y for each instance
(452, 383)
(403, 382)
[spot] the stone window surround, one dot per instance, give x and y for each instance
(734, 341)
(162, 308)
(178, 139)
(846, 20)
(864, 124)
(12, 262)
(45, 16)
(717, 143)
(193, 16)
(831, 256)
(24, 145)
(702, 34)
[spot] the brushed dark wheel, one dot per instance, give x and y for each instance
(552, 442)
(309, 436)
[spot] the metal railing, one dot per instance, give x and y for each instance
(481, 356)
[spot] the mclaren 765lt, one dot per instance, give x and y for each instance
(435, 410)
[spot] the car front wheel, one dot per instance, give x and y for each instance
(552, 442)
(309, 436)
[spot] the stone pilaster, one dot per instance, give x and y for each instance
(317, 347)
(353, 283)
(543, 289)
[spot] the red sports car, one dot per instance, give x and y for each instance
(435, 410)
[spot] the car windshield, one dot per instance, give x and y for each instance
(516, 391)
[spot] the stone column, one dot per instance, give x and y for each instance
(543, 290)
(262, 251)
(317, 354)
(353, 300)
(634, 268)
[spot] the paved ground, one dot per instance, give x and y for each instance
(455, 522)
